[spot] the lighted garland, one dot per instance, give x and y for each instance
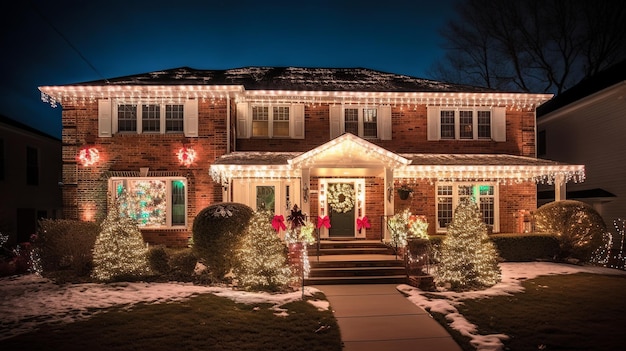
(340, 197)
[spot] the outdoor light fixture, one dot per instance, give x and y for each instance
(186, 156)
(88, 156)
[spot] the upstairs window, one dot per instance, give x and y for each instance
(466, 123)
(149, 118)
(270, 120)
(260, 119)
(365, 122)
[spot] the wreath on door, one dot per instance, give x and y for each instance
(340, 197)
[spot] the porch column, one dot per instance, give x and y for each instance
(305, 191)
(560, 192)
(388, 207)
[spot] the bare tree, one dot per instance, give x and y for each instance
(531, 45)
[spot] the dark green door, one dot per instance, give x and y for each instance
(342, 222)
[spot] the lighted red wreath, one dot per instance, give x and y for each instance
(88, 156)
(186, 156)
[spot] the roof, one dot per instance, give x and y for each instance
(607, 78)
(595, 193)
(15, 124)
(291, 78)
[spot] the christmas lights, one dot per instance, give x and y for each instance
(88, 156)
(186, 156)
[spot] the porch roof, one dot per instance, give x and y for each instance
(435, 167)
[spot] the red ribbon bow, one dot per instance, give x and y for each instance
(323, 222)
(363, 223)
(278, 223)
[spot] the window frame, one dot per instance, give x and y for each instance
(456, 197)
(169, 208)
(476, 126)
(163, 111)
(272, 111)
(361, 120)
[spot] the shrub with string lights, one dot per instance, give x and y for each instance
(261, 260)
(468, 257)
(119, 252)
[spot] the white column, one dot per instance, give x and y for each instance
(560, 191)
(305, 191)
(389, 208)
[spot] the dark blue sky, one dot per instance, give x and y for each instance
(48, 42)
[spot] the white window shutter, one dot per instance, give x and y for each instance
(297, 121)
(384, 122)
(190, 114)
(498, 124)
(335, 121)
(432, 120)
(244, 124)
(104, 118)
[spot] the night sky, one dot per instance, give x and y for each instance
(48, 42)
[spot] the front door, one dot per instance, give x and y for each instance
(341, 209)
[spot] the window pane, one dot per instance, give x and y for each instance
(281, 121)
(466, 122)
(260, 118)
(351, 117)
(151, 118)
(487, 209)
(174, 118)
(127, 118)
(370, 124)
(265, 198)
(484, 124)
(178, 202)
(447, 125)
(444, 205)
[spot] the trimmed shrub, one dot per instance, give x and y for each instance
(217, 232)
(182, 264)
(576, 224)
(158, 260)
(66, 245)
(526, 247)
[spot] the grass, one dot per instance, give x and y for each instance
(203, 322)
(561, 312)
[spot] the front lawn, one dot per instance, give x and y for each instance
(203, 322)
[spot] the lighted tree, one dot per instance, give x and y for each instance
(261, 260)
(119, 252)
(468, 257)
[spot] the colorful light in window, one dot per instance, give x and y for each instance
(88, 156)
(186, 156)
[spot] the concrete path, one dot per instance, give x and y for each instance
(378, 317)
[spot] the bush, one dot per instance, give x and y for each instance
(158, 260)
(66, 245)
(217, 232)
(182, 265)
(576, 224)
(526, 247)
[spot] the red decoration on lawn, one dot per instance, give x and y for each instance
(323, 222)
(186, 156)
(363, 223)
(88, 156)
(278, 223)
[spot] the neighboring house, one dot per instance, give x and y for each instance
(587, 124)
(30, 172)
(335, 142)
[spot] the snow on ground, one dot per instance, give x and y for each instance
(513, 274)
(29, 301)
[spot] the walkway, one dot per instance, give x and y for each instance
(378, 317)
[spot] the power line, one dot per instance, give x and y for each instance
(67, 41)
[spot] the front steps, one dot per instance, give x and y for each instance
(354, 262)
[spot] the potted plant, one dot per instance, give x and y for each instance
(404, 191)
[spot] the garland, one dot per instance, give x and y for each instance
(340, 197)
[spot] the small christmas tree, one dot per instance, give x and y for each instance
(469, 259)
(119, 251)
(261, 260)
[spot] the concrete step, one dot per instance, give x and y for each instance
(394, 279)
(357, 271)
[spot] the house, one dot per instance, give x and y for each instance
(30, 172)
(337, 142)
(585, 124)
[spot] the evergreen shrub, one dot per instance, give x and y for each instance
(526, 247)
(217, 232)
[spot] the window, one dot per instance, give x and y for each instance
(467, 123)
(32, 166)
(265, 198)
(270, 122)
(154, 202)
(541, 143)
(361, 121)
(449, 195)
(150, 118)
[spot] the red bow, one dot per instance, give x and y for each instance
(323, 222)
(363, 223)
(278, 223)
